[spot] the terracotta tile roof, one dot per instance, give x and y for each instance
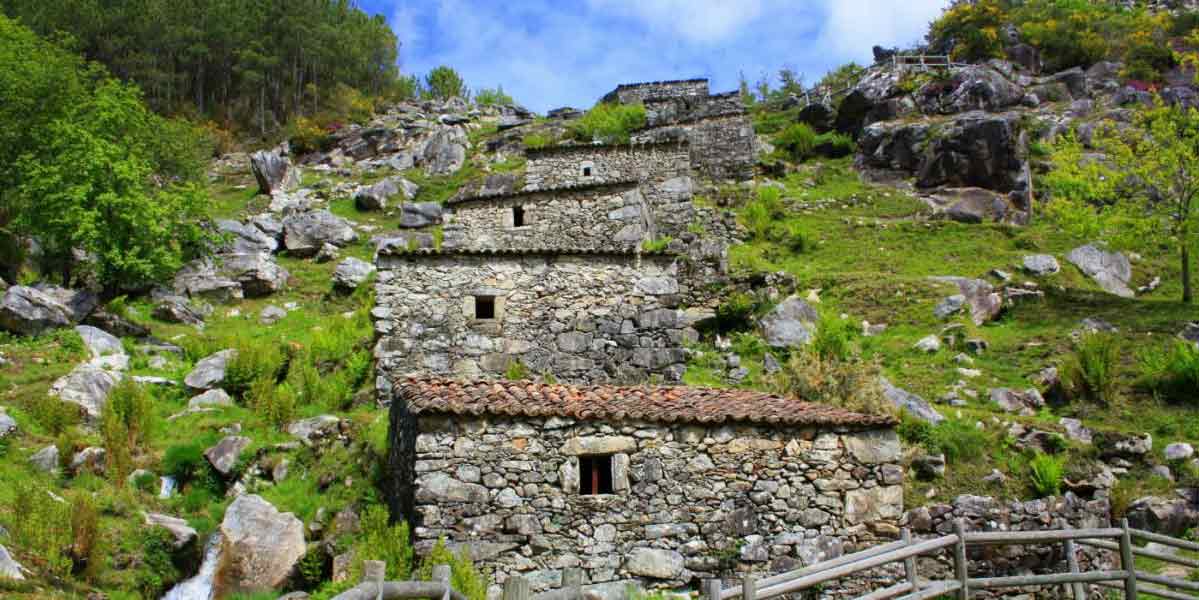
(614, 403)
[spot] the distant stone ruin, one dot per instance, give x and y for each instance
(717, 126)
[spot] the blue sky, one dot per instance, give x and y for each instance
(550, 53)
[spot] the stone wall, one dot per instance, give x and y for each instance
(569, 166)
(721, 147)
(657, 90)
(609, 217)
(668, 111)
(585, 317)
(687, 502)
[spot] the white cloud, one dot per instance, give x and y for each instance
(852, 28)
(704, 21)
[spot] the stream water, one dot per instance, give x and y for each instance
(200, 586)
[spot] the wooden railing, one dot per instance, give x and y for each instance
(913, 587)
(924, 62)
(374, 588)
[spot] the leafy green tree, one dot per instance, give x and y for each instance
(1145, 187)
(87, 167)
(493, 96)
(444, 82)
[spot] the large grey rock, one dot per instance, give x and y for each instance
(9, 567)
(258, 273)
(1041, 264)
(351, 273)
(271, 315)
(984, 303)
(975, 87)
(975, 205)
(210, 371)
(305, 233)
(246, 239)
(654, 563)
(443, 153)
(274, 172)
(179, 529)
(420, 214)
(1190, 333)
(874, 447)
(46, 460)
(1173, 515)
(8, 425)
(99, 343)
(315, 429)
(202, 278)
(380, 194)
(1111, 270)
(790, 324)
(1075, 430)
(915, 405)
(177, 309)
(31, 311)
(88, 386)
(224, 455)
(1179, 451)
(115, 324)
(260, 547)
(217, 397)
(1123, 445)
(1025, 403)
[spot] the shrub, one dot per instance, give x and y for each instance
(85, 525)
(608, 123)
(517, 371)
(1046, 473)
(737, 312)
(1171, 372)
(656, 244)
(850, 384)
(42, 527)
(492, 96)
(798, 141)
(464, 577)
(790, 235)
(125, 427)
(835, 338)
(834, 145)
(184, 462)
(256, 360)
(275, 403)
(537, 140)
(307, 136)
(761, 213)
(957, 439)
(349, 104)
(52, 414)
(1089, 373)
(385, 541)
(444, 82)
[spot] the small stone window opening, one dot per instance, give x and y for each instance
(485, 307)
(586, 171)
(595, 475)
(518, 216)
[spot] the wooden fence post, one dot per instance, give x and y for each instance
(1076, 589)
(572, 581)
(909, 563)
(712, 588)
(960, 566)
(749, 588)
(1127, 563)
(375, 571)
(516, 588)
(441, 574)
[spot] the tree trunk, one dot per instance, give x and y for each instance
(1187, 292)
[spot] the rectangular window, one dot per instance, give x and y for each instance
(484, 307)
(595, 475)
(586, 171)
(518, 216)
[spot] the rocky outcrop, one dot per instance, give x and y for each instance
(28, 310)
(1041, 264)
(87, 386)
(913, 404)
(177, 309)
(420, 214)
(1025, 403)
(210, 371)
(445, 152)
(258, 274)
(178, 528)
(379, 195)
(46, 460)
(1111, 270)
(790, 324)
(976, 205)
(351, 273)
(99, 343)
(305, 233)
(274, 172)
(1167, 515)
(202, 278)
(260, 547)
(246, 238)
(224, 455)
(977, 295)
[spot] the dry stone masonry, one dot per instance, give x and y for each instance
(654, 486)
(582, 316)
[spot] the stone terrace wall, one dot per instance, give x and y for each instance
(656, 90)
(691, 108)
(609, 217)
(684, 497)
(586, 318)
(563, 166)
(720, 147)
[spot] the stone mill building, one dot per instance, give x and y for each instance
(603, 474)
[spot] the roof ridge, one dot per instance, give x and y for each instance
(630, 252)
(527, 192)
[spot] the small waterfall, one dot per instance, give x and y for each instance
(200, 586)
(167, 487)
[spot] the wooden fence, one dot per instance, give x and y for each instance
(924, 62)
(374, 588)
(913, 587)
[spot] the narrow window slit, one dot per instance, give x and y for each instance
(518, 216)
(595, 475)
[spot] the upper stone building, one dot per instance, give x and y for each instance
(718, 127)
